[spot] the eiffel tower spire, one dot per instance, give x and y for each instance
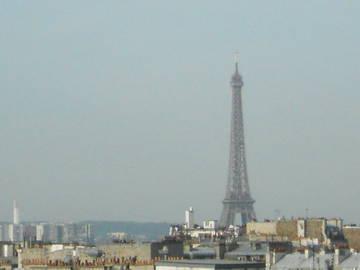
(237, 197)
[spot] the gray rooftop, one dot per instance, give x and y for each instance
(245, 249)
(299, 261)
(351, 262)
(210, 263)
(204, 251)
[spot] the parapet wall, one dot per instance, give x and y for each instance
(352, 234)
(141, 251)
(315, 228)
(262, 228)
(287, 229)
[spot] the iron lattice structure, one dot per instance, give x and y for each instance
(237, 197)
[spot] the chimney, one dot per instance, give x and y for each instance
(307, 253)
(272, 257)
(220, 250)
(340, 255)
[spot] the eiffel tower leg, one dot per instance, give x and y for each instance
(227, 215)
(244, 216)
(248, 214)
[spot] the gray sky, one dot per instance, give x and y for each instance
(120, 110)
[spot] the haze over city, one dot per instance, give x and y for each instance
(120, 110)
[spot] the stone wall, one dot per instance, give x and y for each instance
(145, 251)
(5, 267)
(44, 254)
(261, 228)
(287, 229)
(175, 249)
(352, 235)
(315, 228)
(141, 251)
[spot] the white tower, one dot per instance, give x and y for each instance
(16, 219)
(189, 218)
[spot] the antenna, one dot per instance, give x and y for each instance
(236, 60)
(277, 214)
(236, 57)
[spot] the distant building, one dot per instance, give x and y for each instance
(16, 215)
(29, 232)
(352, 234)
(56, 232)
(210, 224)
(16, 232)
(318, 230)
(145, 251)
(5, 235)
(40, 232)
(119, 236)
(87, 233)
(70, 233)
(210, 231)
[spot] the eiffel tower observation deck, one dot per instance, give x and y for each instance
(237, 197)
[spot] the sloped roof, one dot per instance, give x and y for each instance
(353, 261)
(245, 249)
(298, 260)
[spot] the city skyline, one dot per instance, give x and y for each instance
(110, 109)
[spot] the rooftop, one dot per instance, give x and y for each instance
(209, 263)
(298, 260)
(353, 261)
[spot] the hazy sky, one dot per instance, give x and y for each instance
(120, 110)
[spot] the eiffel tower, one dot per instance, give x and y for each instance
(237, 197)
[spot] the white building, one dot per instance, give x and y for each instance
(40, 232)
(16, 232)
(189, 218)
(210, 224)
